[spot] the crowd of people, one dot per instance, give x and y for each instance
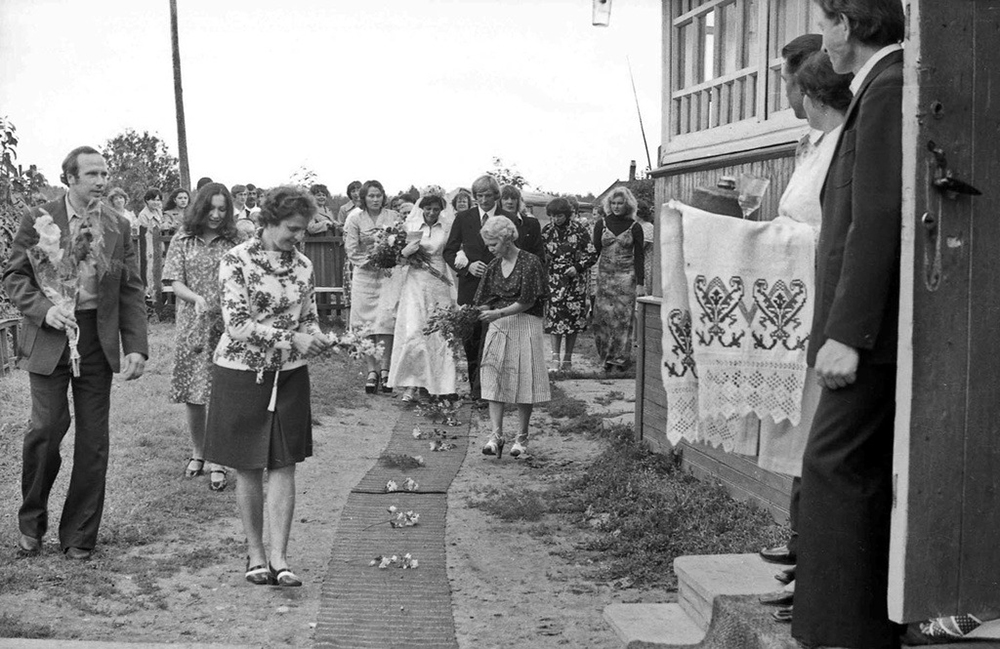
(247, 322)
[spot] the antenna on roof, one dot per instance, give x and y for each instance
(645, 145)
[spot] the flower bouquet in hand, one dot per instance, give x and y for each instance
(418, 257)
(355, 343)
(387, 247)
(456, 324)
(57, 272)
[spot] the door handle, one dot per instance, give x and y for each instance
(945, 179)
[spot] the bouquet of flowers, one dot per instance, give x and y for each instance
(455, 324)
(387, 248)
(57, 269)
(356, 343)
(387, 252)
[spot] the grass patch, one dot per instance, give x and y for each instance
(561, 405)
(511, 503)
(12, 627)
(646, 512)
(583, 425)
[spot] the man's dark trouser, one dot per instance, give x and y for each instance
(81, 515)
(473, 352)
(793, 515)
(843, 550)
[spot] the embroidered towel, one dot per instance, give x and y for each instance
(743, 336)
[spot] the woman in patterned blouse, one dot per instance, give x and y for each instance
(192, 269)
(511, 295)
(569, 254)
(259, 417)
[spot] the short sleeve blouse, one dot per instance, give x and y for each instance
(525, 284)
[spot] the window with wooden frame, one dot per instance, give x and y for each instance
(722, 87)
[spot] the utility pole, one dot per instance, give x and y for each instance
(179, 100)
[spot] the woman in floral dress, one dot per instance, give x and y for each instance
(620, 277)
(192, 269)
(372, 309)
(260, 416)
(569, 254)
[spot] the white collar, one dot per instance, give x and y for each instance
(70, 212)
(859, 77)
(483, 213)
(816, 136)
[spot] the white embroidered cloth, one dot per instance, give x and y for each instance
(736, 314)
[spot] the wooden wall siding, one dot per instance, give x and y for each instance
(682, 185)
(651, 417)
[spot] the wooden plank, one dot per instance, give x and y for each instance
(640, 378)
(745, 465)
(699, 11)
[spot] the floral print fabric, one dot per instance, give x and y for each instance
(614, 304)
(525, 284)
(565, 248)
(267, 297)
(195, 264)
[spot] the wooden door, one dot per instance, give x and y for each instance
(946, 517)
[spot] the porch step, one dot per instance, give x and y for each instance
(717, 608)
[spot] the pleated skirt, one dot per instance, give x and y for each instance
(512, 369)
(243, 434)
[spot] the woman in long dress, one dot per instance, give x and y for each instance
(511, 295)
(419, 360)
(192, 269)
(372, 306)
(620, 277)
(569, 254)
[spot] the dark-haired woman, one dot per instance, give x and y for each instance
(192, 269)
(419, 360)
(569, 254)
(259, 416)
(151, 218)
(372, 311)
(174, 209)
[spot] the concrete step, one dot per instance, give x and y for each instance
(640, 625)
(700, 579)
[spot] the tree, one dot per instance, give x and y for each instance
(507, 175)
(137, 162)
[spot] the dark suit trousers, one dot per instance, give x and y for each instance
(793, 515)
(843, 547)
(473, 352)
(81, 515)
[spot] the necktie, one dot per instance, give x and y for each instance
(485, 216)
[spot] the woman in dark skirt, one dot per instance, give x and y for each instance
(259, 415)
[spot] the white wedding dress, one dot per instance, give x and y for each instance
(419, 360)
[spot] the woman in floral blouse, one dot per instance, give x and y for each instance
(511, 295)
(569, 253)
(259, 417)
(192, 269)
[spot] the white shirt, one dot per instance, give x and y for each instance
(800, 201)
(485, 216)
(859, 77)
(86, 299)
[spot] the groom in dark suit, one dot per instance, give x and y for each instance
(465, 239)
(844, 514)
(109, 306)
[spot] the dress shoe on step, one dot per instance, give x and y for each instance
(786, 576)
(780, 598)
(783, 615)
(78, 554)
(29, 545)
(778, 554)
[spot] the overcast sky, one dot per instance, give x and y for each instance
(405, 91)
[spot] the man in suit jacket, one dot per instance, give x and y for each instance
(471, 264)
(842, 573)
(109, 305)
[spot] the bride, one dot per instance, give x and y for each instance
(420, 360)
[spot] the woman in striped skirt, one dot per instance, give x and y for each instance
(511, 295)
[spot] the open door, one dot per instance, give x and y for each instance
(946, 517)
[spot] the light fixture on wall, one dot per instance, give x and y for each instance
(602, 13)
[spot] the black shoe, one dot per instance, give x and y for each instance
(783, 615)
(371, 383)
(29, 545)
(78, 554)
(780, 598)
(786, 576)
(779, 554)
(384, 382)
(259, 575)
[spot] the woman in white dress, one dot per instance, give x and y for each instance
(419, 360)
(370, 311)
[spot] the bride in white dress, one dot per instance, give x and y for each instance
(419, 360)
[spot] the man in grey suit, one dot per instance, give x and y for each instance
(109, 306)
(844, 514)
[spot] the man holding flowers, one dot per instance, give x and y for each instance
(73, 275)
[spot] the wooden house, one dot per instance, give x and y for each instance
(724, 113)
